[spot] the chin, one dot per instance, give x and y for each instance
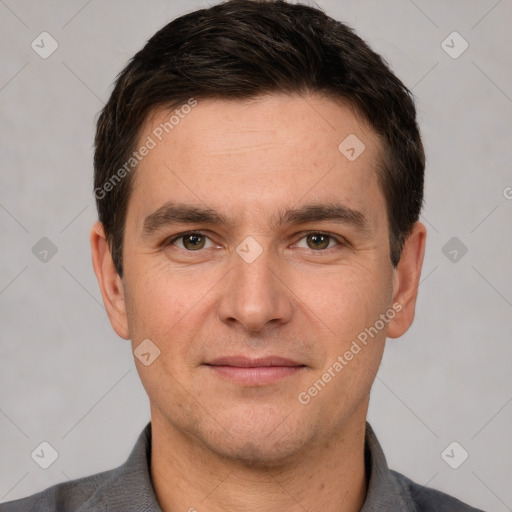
(260, 441)
(262, 454)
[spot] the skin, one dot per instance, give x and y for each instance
(218, 444)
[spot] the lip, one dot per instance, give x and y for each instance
(254, 371)
(248, 362)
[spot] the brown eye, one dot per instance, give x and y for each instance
(193, 242)
(318, 241)
(190, 241)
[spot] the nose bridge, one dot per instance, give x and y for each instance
(254, 294)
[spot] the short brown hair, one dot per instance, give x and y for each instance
(241, 49)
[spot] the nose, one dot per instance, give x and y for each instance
(255, 294)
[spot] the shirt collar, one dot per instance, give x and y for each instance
(129, 487)
(384, 491)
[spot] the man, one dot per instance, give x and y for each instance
(259, 179)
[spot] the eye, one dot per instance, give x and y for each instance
(319, 241)
(194, 241)
(191, 241)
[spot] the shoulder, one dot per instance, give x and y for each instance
(63, 497)
(127, 488)
(428, 499)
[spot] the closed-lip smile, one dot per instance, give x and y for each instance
(258, 371)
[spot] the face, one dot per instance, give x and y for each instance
(256, 259)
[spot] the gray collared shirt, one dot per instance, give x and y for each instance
(129, 489)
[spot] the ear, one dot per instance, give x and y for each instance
(406, 281)
(111, 285)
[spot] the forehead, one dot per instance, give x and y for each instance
(266, 152)
(218, 125)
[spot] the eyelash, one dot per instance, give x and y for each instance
(340, 241)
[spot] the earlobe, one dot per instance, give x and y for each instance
(406, 280)
(111, 285)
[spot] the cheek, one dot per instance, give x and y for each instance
(351, 307)
(155, 305)
(170, 310)
(347, 301)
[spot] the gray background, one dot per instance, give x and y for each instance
(66, 378)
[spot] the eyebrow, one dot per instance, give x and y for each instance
(171, 213)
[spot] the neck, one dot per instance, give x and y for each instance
(189, 477)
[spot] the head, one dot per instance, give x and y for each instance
(290, 153)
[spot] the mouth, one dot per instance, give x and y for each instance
(254, 372)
